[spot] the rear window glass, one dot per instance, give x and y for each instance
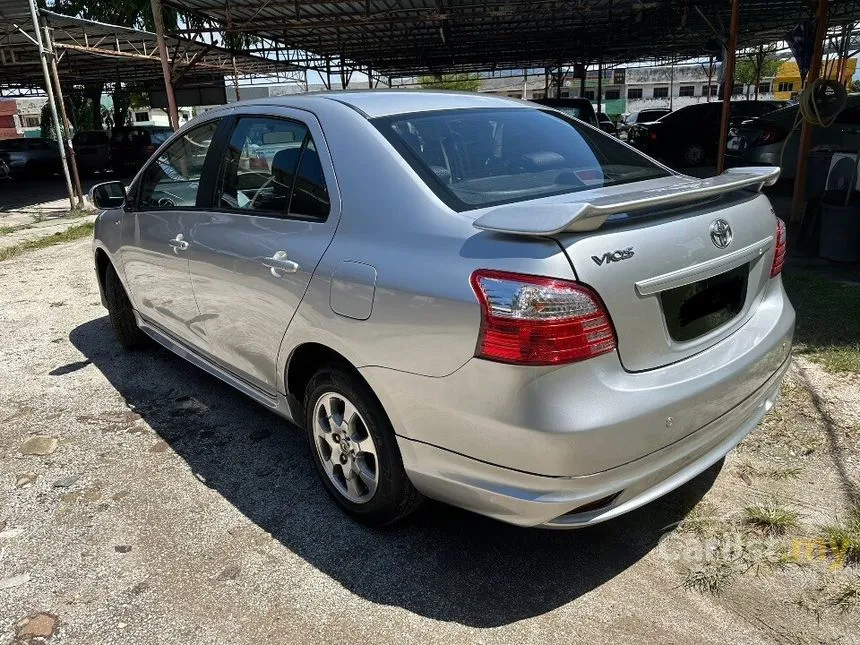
(482, 157)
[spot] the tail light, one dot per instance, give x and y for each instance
(150, 150)
(652, 136)
(779, 249)
(533, 320)
(768, 134)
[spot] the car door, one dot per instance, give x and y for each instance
(166, 203)
(253, 255)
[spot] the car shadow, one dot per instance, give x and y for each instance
(442, 562)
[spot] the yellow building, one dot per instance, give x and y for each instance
(786, 83)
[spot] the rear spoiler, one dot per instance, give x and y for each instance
(549, 219)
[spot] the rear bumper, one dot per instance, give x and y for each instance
(532, 500)
(528, 445)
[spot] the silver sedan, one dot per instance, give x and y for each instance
(463, 297)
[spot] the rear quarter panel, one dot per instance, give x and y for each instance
(424, 316)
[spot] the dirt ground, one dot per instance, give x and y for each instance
(166, 508)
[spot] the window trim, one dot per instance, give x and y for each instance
(232, 121)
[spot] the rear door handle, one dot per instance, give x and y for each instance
(279, 264)
(178, 243)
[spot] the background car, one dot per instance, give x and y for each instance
(92, 151)
(643, 116)
(606, 124)
(761, 141)
(581, 109)
(689, 136)
(131, 146)
(30, 156)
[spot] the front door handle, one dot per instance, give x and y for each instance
(279, 264)
(178, 243)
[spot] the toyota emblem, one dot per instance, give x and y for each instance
(721, 233)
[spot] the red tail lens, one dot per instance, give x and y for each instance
(533, 320)
(779, 249)
(150, 150)
(652, 136)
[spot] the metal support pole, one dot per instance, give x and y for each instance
(599, 84)
(582, 80)
(525, 84)
(67, 132)
(158, 21)
(559, 76)
(806, 129)
(728, 85)
(51, 102)
(369, 77)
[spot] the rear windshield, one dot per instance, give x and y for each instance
(482, 157)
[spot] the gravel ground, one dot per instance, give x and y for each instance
(171, 509)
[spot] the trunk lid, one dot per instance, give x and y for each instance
(674, 280)
(670, 291)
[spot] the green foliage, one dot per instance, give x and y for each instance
(771, 518)
(756, 64)
(855, 86)
(843, 536)
(462, 82)
(46, 124)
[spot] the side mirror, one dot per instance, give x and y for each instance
(110, 194)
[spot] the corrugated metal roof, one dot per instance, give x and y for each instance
(94, 51)
(417, 36)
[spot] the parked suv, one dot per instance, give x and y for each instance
(131, 146)
(458, 296)
(92, 151)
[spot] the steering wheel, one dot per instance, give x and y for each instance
(260, 190)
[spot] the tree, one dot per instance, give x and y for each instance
(755, 64)
(46, 123)
(462, 82)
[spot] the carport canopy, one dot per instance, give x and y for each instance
(401, 38)
(89, 51)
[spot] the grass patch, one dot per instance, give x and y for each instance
(828, 317)
(703, 522)
(843, 537)
(846, 597)
(770, 518)
(779, 474)
(70, 234)
(713, 576)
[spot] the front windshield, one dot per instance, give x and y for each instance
(481, 157)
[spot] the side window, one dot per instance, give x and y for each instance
(172, 180)
(310, 195)
(259, 167)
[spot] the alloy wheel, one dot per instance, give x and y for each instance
(345, 447)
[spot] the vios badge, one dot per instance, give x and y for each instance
(721, 233)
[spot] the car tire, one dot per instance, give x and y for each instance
(693, 154)
(341, 410)
(121, 313)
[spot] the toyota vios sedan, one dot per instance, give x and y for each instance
(469, 298)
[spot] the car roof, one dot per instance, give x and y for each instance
(377, 103)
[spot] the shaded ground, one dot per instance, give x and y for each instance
(173, 510)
